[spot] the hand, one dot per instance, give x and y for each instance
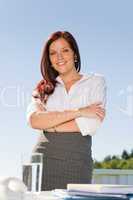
(93, 111)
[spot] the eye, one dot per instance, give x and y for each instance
(52, 53)
(65, 50)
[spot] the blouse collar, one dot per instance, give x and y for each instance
(84, 77)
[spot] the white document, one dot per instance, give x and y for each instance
(101, 188)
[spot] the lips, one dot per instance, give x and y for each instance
(61, 63)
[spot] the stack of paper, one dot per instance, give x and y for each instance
(79, 195)
(101, 188)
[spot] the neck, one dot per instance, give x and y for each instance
(70, 76)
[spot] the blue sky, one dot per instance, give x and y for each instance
(103, 30)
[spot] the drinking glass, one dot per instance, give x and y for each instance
(32, 172)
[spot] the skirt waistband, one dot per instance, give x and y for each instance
(64, 143)
(68, 139)
(65, 136)
(64, 132)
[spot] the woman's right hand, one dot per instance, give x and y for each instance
(93, 111)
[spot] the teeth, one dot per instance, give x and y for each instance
(62, 63)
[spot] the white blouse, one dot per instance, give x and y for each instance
(89, 89)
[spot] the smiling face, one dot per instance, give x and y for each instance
(61, 56)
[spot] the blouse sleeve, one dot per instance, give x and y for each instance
(88, 126)
(34, 105)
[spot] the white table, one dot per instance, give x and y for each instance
(47, 195)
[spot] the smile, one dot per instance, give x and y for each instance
(61, 63)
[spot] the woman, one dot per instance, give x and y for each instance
(68, 107)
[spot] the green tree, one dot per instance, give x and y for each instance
(115, 157)
(122, 164)
(106, 165)
(125, 155)
(97, 165)
(130, 163)
(107, 158)
(131, 153)
(125, 161)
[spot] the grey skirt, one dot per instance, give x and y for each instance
(66, 159)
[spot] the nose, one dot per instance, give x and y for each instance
(60, 56)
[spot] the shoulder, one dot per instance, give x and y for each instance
(97, 78)
(94, 80)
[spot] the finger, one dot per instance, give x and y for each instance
(100, 110)
(101, 115)
(100, 118)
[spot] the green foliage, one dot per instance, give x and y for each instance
(97, 164)
(122, 164)
(130, 164)
(125, 161)
(125, 155)
(107, 158)
(131, 154)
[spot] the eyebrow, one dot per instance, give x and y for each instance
(62, 48)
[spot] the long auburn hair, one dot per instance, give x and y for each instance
(47, 85)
